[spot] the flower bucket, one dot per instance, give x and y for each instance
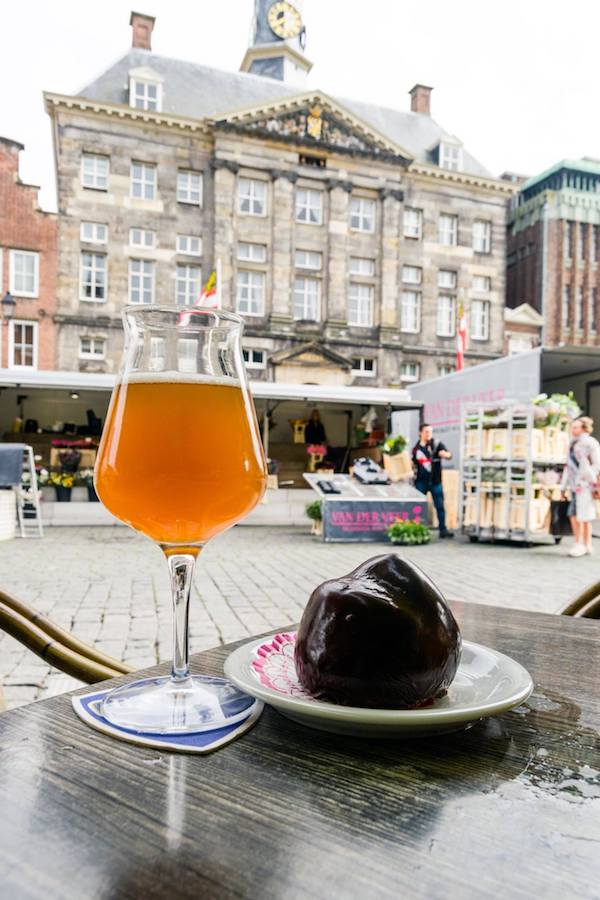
(92, 495)
(63, 494)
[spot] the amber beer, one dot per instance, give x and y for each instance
(180, 458)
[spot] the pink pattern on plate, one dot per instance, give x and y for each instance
(273, 665)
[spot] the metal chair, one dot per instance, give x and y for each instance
(54, 645)
(586, 605)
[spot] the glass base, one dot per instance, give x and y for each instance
(164, 706)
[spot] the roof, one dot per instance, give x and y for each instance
(201, 92)
(586, 165)
(320, 393)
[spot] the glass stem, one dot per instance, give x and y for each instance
(181, 571)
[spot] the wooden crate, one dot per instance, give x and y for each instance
(556, 443)
(87, 461)
(450, 483)
(472, 443)
(524, 441)
(398, 467)
(498, 443)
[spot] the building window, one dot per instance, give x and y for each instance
(24, 273)
(188, 283)
(480, 320)
(569, 240)
(450, 156)
(482, 283)
(410, 371)
(446, 370)
(413, 223)
(93, 233)
(360, 305)
(410, 312)
(364, 366)
(448, 230)
(189, 187)
(189, 244)
(579, 322)
(593, 311)
(143, 181)
(250, 293)
(482, 237)
(145, 94)
(447, 279)
(141, 281)
(519, 344)
(581, 241)
(360, 265)
(94, 172)
(22, 344)
(142, 238)
(256, 253)
(92, 277)
(252, 197)
(309, 259)
(309, 206)
(595, 247)
(92, 348)
(446, 316)
(362, 214)
(412, 274)
(566, 307)
(254, 359)
(306, 299)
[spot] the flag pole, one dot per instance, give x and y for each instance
(218, 297)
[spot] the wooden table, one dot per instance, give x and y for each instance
(508, 809)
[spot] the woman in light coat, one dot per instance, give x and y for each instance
(580, 476)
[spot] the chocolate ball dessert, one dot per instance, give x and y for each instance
(381, 637)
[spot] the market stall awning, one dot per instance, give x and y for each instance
(268, 390)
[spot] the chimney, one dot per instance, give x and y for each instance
(141, 31)
(420, 99)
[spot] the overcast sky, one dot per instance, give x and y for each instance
(518, 81)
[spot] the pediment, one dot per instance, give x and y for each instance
(314, 120)
(524, 314)
(145, 73)
(311, 354)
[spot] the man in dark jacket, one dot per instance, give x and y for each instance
(427, 456)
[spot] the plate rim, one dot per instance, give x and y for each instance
(370, 716)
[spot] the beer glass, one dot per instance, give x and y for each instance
(180, 460)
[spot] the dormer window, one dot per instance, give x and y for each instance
(450, 156)
(145, 89)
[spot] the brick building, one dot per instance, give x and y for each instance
(28, 259)
(554, 251)
(348, 235)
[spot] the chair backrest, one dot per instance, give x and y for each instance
(586, 605)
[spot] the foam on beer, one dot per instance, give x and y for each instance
(172, 377)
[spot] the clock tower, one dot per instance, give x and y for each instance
(278, 39)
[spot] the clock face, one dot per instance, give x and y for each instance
(284, 20)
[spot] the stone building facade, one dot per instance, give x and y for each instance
(347, 235)
(554, 252)
(28, 238)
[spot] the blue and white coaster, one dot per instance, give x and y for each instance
(87, 707)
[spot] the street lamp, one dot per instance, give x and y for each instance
(8, 304)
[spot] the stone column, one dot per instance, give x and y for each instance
(389, 317)
(225, 226)
(282, 267)
(334, 300)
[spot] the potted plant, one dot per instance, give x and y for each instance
(69, 460)
(405, 531)
(63, 483)
(396, 460)
(314, 511)
(86, 477)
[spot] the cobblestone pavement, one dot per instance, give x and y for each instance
(109, 587)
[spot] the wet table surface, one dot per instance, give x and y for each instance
(510, 808)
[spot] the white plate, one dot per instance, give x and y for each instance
(486, 683)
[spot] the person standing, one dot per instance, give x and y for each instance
(580, 477)
(427, 456)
